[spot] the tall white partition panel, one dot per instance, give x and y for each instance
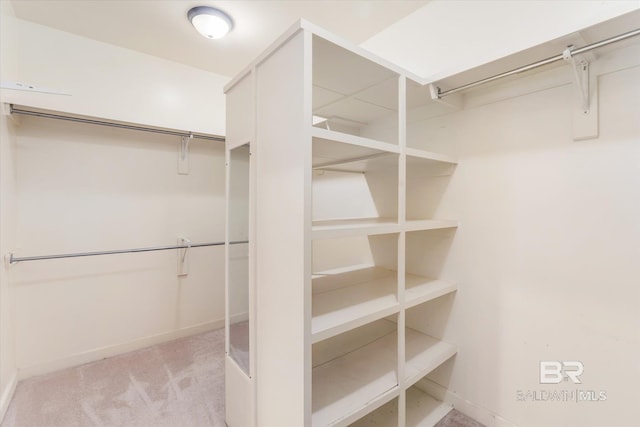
(283, 214)
(239, 277)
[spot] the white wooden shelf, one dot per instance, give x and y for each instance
(333, 228)
(423, 410)
(349, 387)
(338, 310)
(326, 135)
(423, 354)
(353, 227)
(371, 186)
(429, 224)
(385, 416)
(420, 157)
(354, 304)
(420, 289)
(375, 162)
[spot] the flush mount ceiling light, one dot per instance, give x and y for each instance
(212, 23)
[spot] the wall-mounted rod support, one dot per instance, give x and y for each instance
(440, 93)
(183, 155)
(581, 77)
(13, 259)
(183, 256)
(14, 110)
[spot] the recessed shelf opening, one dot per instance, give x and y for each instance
(352, 182)
(422, 410)
(352, 94)
(354, 373)
(427, 251)
(384, 416)
(346, 296)
(427, 183)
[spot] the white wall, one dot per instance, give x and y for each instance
(81, 188)
(546, 252)
(7, 200)
(111, 82)
(7, 204)
(446, 37)
(544, 255)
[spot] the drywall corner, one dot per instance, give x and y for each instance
(8, 370)
(7, 213)
(7, 394)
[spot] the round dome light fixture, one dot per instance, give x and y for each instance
(212, 23)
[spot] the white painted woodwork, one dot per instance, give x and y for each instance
(427, 158)
(338, 310)
(348, 384)
(422, 410)
(353, 140)
(429, 224)
(239, 266)
(283, 151)
(353, 227)
(238, 412)
(334, 179)
(423, 355)
(420, 289)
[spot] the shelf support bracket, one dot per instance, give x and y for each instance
(585, 117)
(183, 156)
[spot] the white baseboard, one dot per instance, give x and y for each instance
(239, 317)
(7, 394)
(114, 350)
(470, 409)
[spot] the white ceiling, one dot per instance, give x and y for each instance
(161, 28)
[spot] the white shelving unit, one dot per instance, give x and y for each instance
(354, 298)
(339, 229)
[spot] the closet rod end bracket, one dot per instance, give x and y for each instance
(8, 259)
(435, 92)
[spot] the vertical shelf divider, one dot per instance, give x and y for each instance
(402, 203)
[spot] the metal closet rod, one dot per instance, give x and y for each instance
(14, 110)
(550, 60)
(14, 260)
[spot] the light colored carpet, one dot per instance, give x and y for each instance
(175, 384)
(458, 419)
